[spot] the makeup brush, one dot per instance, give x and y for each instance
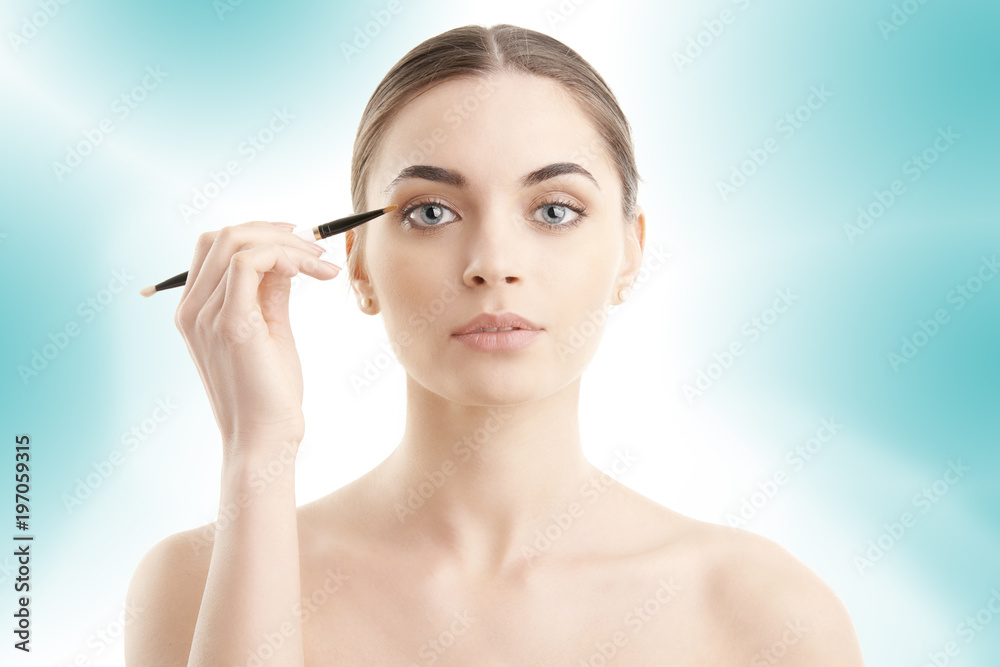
(323, 231)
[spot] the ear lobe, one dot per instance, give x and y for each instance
(349, 241)
(640, 220)
(635, 235)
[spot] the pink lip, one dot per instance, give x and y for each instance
(523, 333)
(496, 321)
(497, 341)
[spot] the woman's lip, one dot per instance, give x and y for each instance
(498, 341)
(496, 321)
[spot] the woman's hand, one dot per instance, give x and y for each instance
(233, 315)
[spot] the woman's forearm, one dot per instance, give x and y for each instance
(250, 611)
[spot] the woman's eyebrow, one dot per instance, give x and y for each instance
(454, 178)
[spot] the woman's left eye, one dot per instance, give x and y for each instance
(554, 214)
(557, 215)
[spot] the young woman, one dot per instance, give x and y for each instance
(513, 170)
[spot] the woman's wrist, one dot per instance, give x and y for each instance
(264, 457)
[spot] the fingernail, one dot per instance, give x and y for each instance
(331, 265)
(284, 225)
(317, 249)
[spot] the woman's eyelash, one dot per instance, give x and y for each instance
(403, 215)
(581, 212)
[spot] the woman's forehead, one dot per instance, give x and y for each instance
(509, 126)
(504, 104)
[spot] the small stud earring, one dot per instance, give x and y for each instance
(623, 294)
(365, 302)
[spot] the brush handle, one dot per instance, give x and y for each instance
(320, 232)
(328, 229)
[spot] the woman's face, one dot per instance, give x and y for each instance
(481, 235)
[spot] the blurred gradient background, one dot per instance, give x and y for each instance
(765, 134)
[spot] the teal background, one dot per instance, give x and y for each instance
(62, 239)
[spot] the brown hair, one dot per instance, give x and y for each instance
(476, 51)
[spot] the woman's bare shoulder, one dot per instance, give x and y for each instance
(164, 596)
(770, 603)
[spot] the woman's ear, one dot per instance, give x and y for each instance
(635, 243)
(640, 222)
(359, 280)
(349, 246)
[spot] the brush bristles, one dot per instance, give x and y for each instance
(148, 291)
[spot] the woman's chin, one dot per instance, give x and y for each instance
(469, 385)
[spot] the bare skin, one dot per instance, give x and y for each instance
(658, 588)
(524, 554)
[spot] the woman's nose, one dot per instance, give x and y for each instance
(496, 249)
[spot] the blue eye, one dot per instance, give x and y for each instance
(431, 214)
(558, 212)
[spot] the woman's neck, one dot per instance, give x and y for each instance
(482, 484)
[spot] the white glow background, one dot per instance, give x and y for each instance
(60, 241)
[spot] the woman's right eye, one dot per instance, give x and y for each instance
(426, 215)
